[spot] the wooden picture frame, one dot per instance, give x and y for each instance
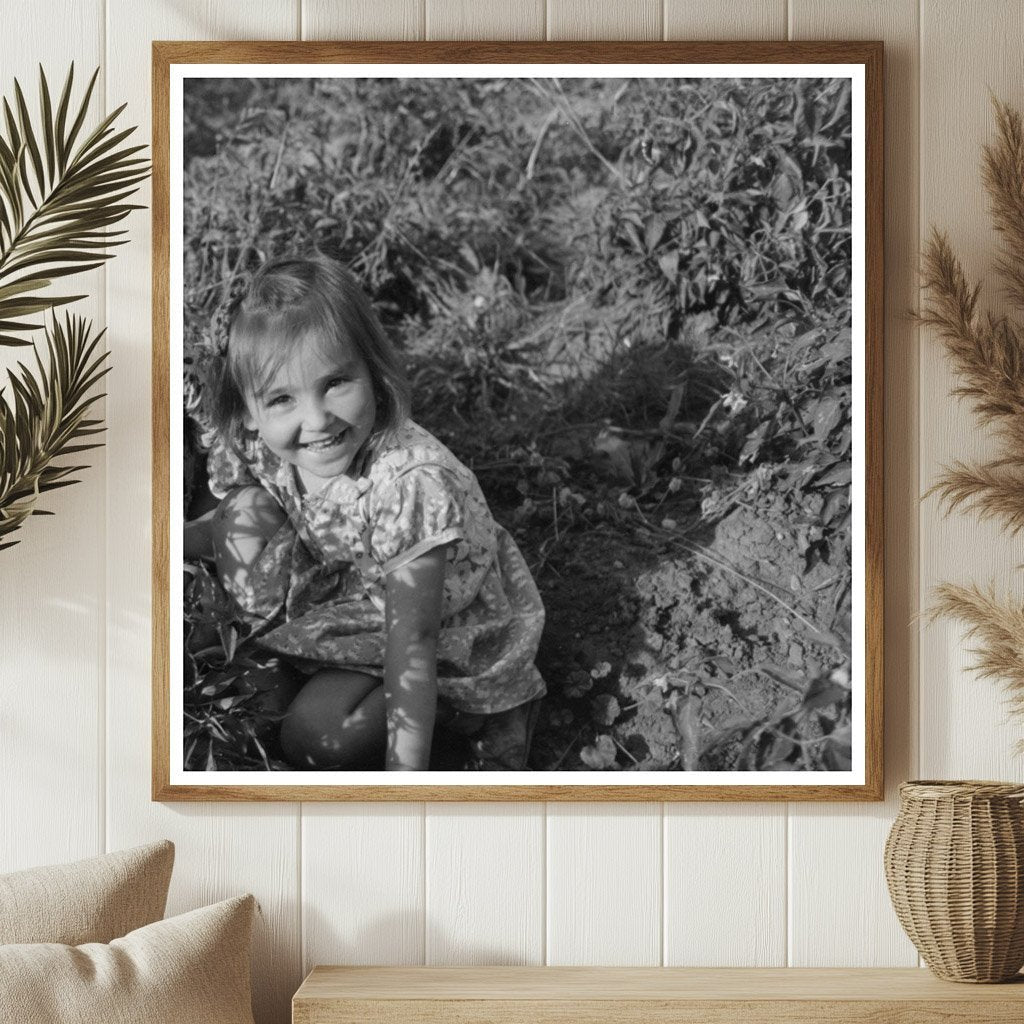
(858, 63)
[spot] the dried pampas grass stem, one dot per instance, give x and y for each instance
(987, 355)
(996, 628)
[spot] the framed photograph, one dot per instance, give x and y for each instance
(517, 418)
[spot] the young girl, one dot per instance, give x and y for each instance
(361, 546)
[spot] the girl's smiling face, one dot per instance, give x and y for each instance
(316, 410)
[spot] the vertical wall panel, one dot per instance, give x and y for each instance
(725, 885)
(222, 849)
(485, 883)
(52, 581)
(362, 884)
(725, 867)
(604, 884)
(967, 49)
(356, 19)
(725, 19)
(604, 19)
(840, 912)
(485, 19)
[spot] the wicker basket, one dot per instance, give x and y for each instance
(954, 861)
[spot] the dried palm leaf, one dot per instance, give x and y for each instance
(42, 422)
(60, 196)
(61, 193)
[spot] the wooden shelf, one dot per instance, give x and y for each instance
(651, 995)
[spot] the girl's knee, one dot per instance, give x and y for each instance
(336, 721)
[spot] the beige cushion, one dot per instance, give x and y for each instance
(93, 900)
(190, 969)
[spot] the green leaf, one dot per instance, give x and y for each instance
(20, 287)
(34, 305)
(53, 227)
(25, 123)
(46, 420)
(46, 116)
(76, 127)
(62, 117)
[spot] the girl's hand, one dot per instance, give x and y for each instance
(413, 615)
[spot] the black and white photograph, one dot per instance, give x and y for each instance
(518, 422)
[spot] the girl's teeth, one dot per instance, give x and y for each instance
(319, 446)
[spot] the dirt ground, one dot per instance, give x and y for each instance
(679, 657)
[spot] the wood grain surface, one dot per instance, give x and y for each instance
(605, 877)
(363, 891)
(486, 19)
(484, 878)
(870, 54)
(383, 19)
(726, 19)
(340, 995)
(537, 984)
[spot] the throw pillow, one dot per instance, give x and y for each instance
(190, 969)
(92, 900)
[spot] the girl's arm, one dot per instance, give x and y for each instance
(413, 617)
(197, 538)
(240, 528)
(236, 530)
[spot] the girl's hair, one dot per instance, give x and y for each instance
(287, 301)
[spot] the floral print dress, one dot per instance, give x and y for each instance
(317, 594)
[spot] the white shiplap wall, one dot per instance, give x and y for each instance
(573, 884)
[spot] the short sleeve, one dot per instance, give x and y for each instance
(226, 469)
(416, 512)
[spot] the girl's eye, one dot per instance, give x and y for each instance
(277, 400)
(335, 382)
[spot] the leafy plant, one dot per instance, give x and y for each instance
(814, 734)
(987, 354)
(62, 192)
(725, 207)
(233, 693)
(47, 417)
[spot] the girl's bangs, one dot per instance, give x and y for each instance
(262, 342)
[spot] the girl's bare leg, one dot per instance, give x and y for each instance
(336, 721)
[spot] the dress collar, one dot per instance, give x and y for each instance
(339, 490)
